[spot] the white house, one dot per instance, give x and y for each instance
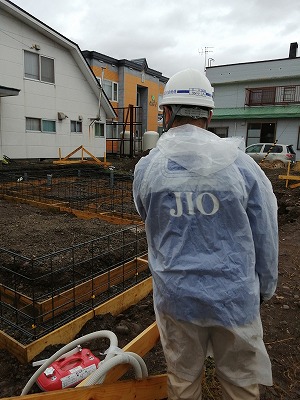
(259, 101)
(49, 97)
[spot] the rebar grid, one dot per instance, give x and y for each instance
(90, 191)
(38, 295)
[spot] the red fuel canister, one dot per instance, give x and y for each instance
(69, 371)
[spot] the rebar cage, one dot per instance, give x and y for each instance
(40, 294)
(89, 191)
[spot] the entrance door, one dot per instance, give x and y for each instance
(261, 132)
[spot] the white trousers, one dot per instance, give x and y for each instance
(241, 360)
(185, 390)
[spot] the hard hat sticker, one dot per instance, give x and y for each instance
(198, 92)
(191, 91)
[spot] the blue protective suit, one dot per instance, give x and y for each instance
(211, 221)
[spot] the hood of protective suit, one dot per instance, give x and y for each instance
(198, 150)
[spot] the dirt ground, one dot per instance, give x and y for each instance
(34, 231)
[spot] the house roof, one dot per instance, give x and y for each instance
(139, 64)
(257, 112)
(74, 49)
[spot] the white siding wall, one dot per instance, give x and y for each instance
(230, 82)
(229, 96)
(255, 71)
(71, 94)
(285, 133)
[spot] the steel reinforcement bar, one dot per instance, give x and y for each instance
(86, 193)
(38, 295)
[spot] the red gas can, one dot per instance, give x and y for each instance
(69, 371)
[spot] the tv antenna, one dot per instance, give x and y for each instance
(205, 51)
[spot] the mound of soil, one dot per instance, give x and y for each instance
(27, 229)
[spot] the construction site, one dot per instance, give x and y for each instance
(73, 261)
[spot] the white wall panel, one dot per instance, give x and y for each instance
(71, 94)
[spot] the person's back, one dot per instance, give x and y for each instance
(207, 207)
(197, 223)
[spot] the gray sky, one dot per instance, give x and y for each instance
(175, 34)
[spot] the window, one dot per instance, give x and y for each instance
(31, 65)
(260, 96)
(38, 67)
(111, 89)
(47, 70)
(76, 126)
(222, 132)
(33, 124)
(99, 129)
(270, 148)
(40, 125)
(289, 94)
(255, 148)
(48, 126)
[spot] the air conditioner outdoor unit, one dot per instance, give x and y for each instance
(61, 115)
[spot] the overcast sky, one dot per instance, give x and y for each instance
(175, 34)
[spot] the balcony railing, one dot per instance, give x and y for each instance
(273, 95)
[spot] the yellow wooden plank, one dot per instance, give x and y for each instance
(151, 388)
(92, 287)
(66, 333)
(290, 177)
(141, 345)
(16, 298)
(35, 203)
(113, 218)
(294, 185)
(92, 156)
(72, 152)
(13, 346)
(126, 299)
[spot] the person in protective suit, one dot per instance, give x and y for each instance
(211, 221)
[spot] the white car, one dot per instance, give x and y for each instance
(271, 152)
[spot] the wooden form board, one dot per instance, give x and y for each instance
(114, 218)
(141, 345)
(152, 388)
(93, 287)
(66, 333)
(81, 293)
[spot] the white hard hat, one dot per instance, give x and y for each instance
(188, 87)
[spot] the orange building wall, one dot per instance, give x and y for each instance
(130, 89)
(109, 75)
